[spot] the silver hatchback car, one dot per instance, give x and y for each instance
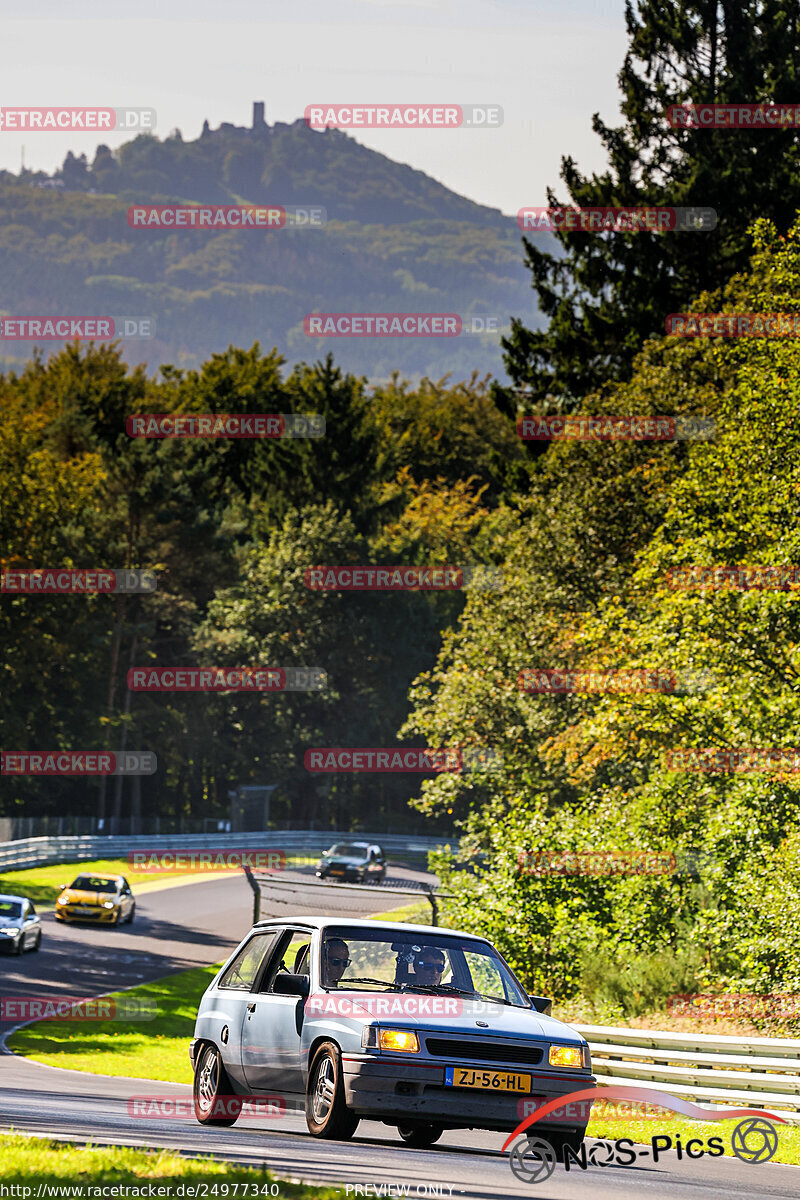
(422, 1028)
(20, 926)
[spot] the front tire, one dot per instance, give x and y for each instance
(19, 945)
(327, 1115)
(214, 1102)
(38, 941)
(420, 1133)
(131, 915)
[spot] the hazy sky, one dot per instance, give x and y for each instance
(549, 63)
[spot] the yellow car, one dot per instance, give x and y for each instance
(106, 900)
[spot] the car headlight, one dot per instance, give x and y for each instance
(399, 1039)
(108, 904)
(9, 932)
(62, 900)
(566, 1056)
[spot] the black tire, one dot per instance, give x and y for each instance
(131, 915)
(38, 941)
(214, 1102)
(327, 1115)
(420, 1133)
(19, 945)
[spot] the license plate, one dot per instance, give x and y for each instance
(493, 1081)
(337, 872)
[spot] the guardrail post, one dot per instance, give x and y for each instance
(433, 902)
(256, 894)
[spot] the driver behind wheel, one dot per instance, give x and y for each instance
(336, 960)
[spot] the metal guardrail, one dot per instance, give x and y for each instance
(34, 852)
(760, 1072)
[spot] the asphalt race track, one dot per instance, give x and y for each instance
(198, 924)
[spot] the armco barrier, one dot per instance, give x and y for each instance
(759, 1072)
(34, 852)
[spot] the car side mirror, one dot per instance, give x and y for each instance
(291, 985)
(542, 1004)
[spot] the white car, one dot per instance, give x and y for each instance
(20, 926)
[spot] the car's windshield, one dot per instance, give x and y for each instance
(10, 908)
(91, 883)
(350, 849)
(359, 960)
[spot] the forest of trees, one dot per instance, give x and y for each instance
(585, 534)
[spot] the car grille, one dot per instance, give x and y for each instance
(485, 1051)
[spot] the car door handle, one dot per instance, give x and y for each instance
(251, 1007)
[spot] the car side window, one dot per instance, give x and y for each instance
(31, 909)
(291, 956)
(242, 972)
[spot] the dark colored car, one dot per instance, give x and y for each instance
(419, 1027)
(359, 862)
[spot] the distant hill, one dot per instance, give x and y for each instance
(396, 241)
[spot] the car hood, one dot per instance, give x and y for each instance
(344, 860)
(10, 922)
(442, 1013)
(75, 897)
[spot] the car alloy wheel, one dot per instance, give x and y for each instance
(327, 1115)
(214, 1103)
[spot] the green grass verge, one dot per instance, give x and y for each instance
(410, 914)
(157, 1049)
(39, 1160)
(43, 884)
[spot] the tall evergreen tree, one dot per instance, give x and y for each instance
(605, 293)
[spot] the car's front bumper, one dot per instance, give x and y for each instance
(103, 916)
(384, 1088)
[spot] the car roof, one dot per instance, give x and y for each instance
(321, 922)
(16, 899)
